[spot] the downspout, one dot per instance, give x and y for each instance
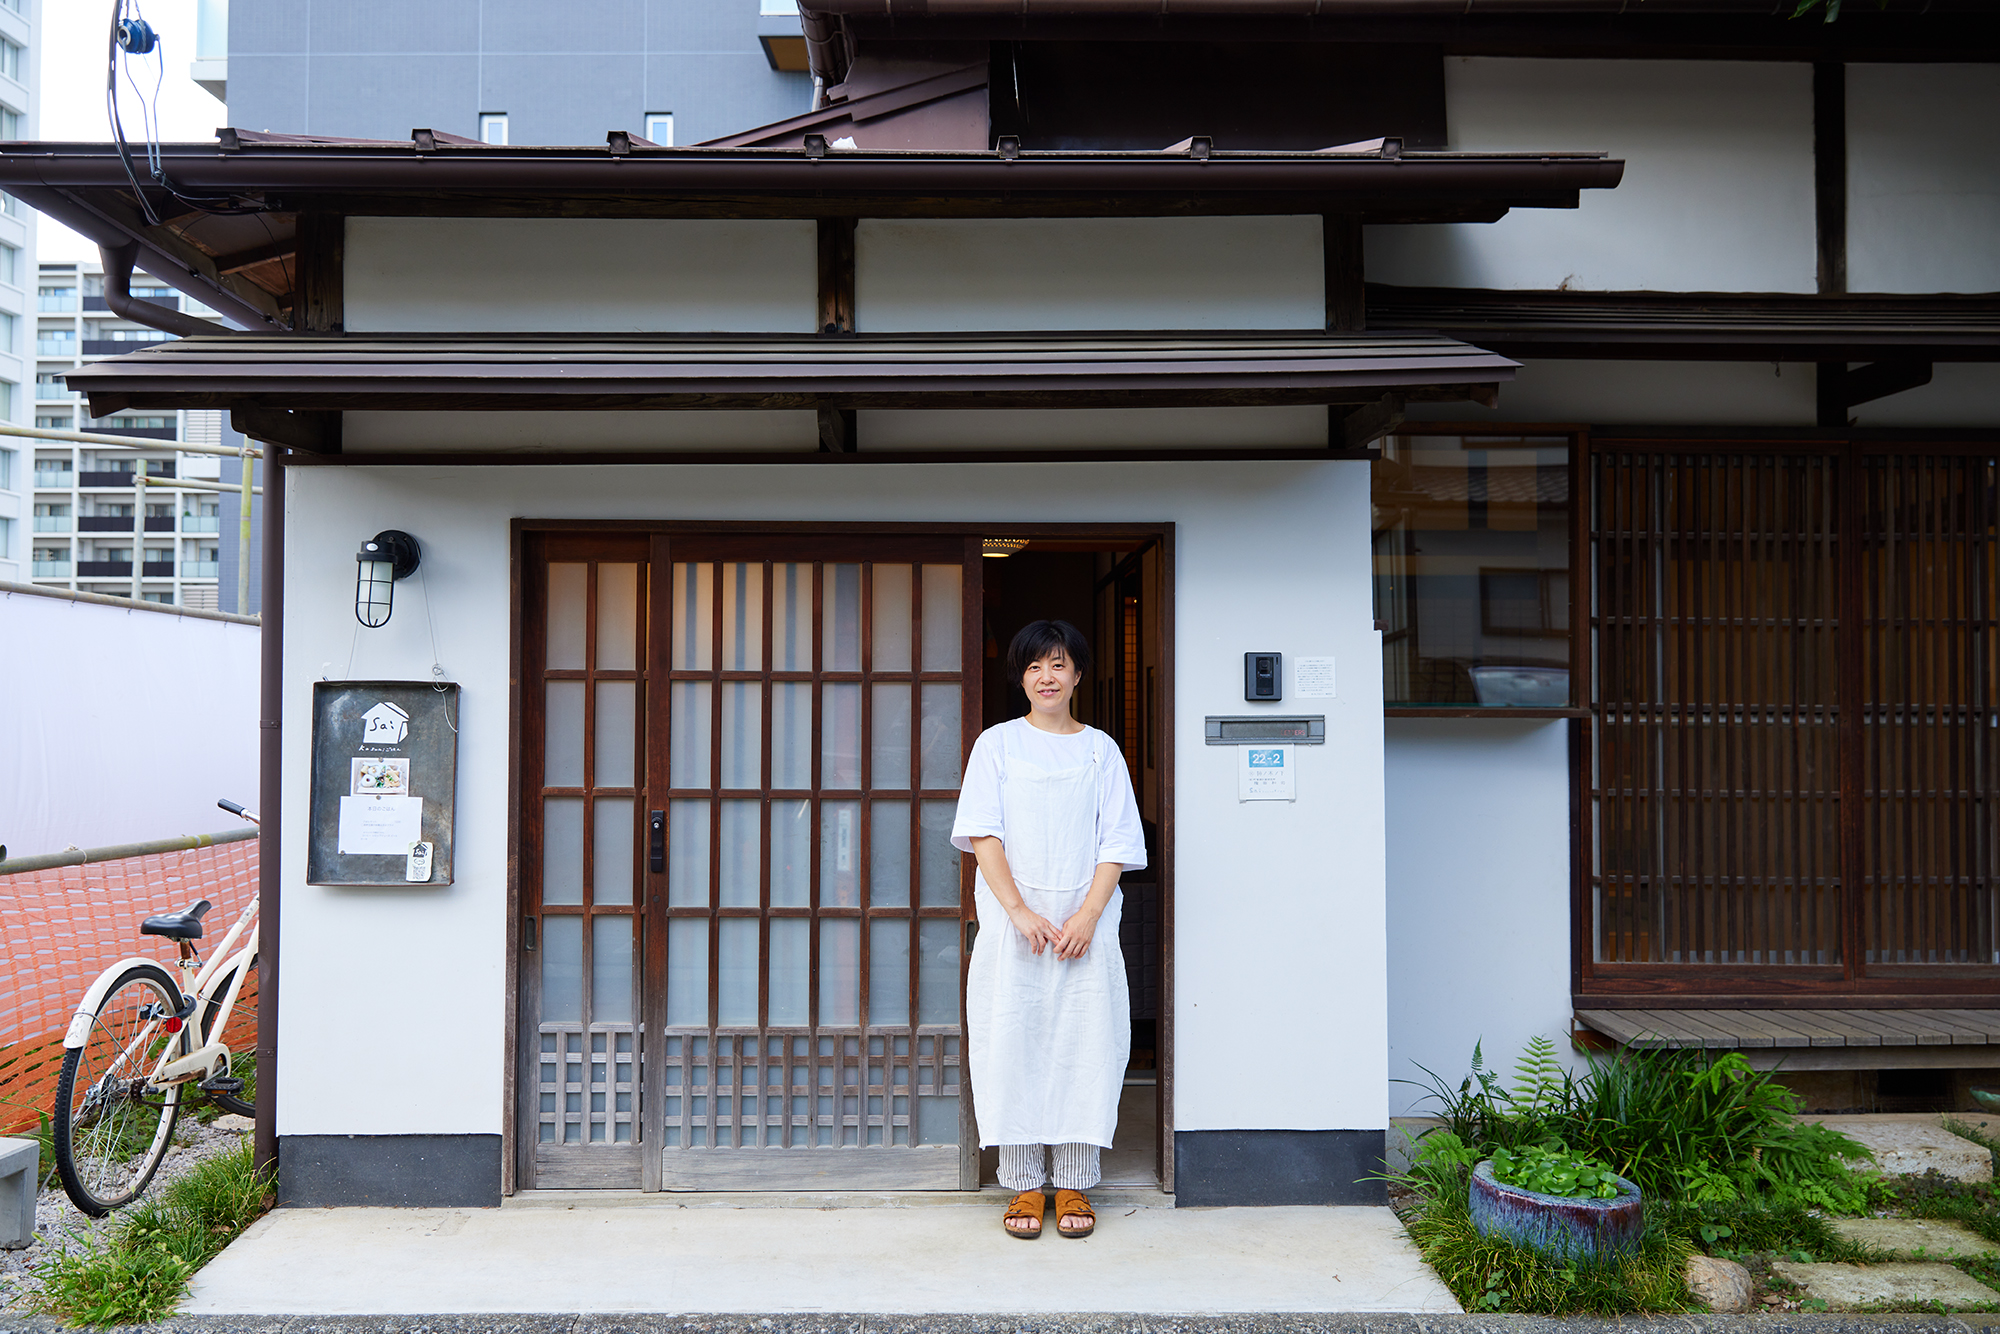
(270, 800)
(118, 262)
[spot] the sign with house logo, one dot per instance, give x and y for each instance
(384, 782)
(1265, 773)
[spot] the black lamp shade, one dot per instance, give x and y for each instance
(382, 560)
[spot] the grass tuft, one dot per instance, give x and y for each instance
(139, 1273)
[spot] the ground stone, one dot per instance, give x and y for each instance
(236, 1125)
(1913, 1145)
(1845, 1287)
(1723, 1286)
(1906, 1236)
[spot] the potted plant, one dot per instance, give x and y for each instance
(1559, 1203)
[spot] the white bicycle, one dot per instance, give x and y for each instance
(138, 1039)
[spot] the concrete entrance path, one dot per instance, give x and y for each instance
(950, 1259)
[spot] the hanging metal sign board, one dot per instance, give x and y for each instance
(384, 783)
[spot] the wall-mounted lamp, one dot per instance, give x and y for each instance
(382, 560)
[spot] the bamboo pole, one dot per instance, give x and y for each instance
(114, 441)
(89, 856)
(139, 529)
(243, 536)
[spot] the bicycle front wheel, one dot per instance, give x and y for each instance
(112, 1128)
(242, 1039)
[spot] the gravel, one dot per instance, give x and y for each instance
(59, 1226)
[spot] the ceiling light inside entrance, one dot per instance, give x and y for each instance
(1001, 546)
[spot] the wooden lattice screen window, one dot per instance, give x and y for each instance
(1792, 720)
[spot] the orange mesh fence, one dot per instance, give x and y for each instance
(61, 927)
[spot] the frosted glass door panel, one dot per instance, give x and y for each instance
(742, 861)
(839, 971)
(889, 971)
(937, 971)
(840, 736)
(889, 753)
(611, 970)
(944, 611)
(840, 854)
(687, 854)
(891, 616)
(791, 618)
(742, 734)
(562, 744)
(617, 733)
(687, 971)
(791, 734)
(742, 617)
(617, 617)
(611, 852)
(841, 619)
(791, 854)
(567, 603)
(690, 722)
(937, 860)
(941, 727)
(736, 972)
(889, 855)
(693, 628)
(562, 970)
(562, 850)
(791, 971)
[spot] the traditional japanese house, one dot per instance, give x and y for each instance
(1566, 438)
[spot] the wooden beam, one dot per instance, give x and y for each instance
(313, 432)
(1346, 291)
(1356, 428)
(251, 258)
(1840, 388)
(319, 284)
(1830, 175)
(836, 276)
(837, 431)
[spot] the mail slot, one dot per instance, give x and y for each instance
(1266, 729)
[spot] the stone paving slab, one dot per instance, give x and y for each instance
(1913, 1145)
(1936, 1238)
(808, 1261)
(1849, 1286)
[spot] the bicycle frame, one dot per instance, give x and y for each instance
(209, 1059)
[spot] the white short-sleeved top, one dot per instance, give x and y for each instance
(1119, 836)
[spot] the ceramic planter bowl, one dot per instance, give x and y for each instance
(1566, 1227)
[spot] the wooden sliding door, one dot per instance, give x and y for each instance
(1792, 731)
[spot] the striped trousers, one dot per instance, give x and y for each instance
(1029, 1166)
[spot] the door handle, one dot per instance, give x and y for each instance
(971, 933)
(528, 934)
(656, 842)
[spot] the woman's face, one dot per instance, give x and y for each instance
(1049, 682)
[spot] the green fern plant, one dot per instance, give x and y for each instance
(1541, 1084)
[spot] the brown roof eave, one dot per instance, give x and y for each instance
(1516, 179)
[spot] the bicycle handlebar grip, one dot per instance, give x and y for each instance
(230, 806)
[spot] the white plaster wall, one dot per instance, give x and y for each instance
(126, 725)
(1478, 875)
(958, 274)
(1279, 909)
(581, 275)
(1717, 194)
(1636, 393)
(1923, 178)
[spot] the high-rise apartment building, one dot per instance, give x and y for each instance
(18, 75)
(93, 527)
(505, 71)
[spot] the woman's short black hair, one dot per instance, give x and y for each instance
(1037, 639)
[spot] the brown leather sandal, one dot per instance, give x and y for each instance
(1028, 1204)
(1072, 1203)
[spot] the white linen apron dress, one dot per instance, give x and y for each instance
(1048, 1039)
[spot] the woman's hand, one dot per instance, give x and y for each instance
(1077, 933)
(1038, 930)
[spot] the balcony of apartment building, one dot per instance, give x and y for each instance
(51, 517)
(54, 476)
(51, 563)
(49, 387)
(119, 472)
(58, 298)
(117, 342)
(138, 427)
(56, 343)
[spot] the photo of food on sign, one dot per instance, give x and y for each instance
(380, 777)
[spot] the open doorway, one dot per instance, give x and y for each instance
(1113, 591)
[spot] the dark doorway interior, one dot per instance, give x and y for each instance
(1113, 595)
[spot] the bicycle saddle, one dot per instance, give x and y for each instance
(182, 925)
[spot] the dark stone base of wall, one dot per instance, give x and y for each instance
(402, 1171)
(1223, 1167)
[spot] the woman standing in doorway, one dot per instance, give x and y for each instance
(1048, 811)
